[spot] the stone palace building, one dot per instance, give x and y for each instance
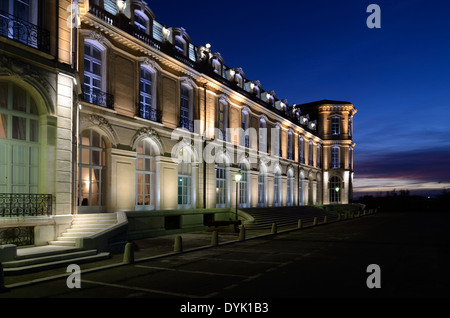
(105, 109)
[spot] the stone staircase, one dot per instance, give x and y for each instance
(286, 216)
(85, 225)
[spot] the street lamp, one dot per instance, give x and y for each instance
(237, 178)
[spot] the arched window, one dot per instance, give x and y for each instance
(245, 141)
(184, 178)
(223, 119)
(180, 44)
(145, 175)
(92, 171)
(262, 135)
(277, 141)
(290, 145)
(141, 21)
(302, 150)
(335, 189)
(19, 140)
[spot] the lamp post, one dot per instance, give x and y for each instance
(237, 178)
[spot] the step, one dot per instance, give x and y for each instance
(49, 258)
(77, 234)
(62, 243)
(56, 264)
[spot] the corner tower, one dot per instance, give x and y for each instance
(335, 128)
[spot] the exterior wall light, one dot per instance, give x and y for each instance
(232, 72)
(121, 5)
(237, 178)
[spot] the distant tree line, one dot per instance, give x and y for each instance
(403, 201)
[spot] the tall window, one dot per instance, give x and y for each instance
(261, 188)
(301, 196)
(290, 188)
(147, 106)
(220, 186)
(19, 140)
(302, 150)
(185, 108)
(244, 125)
(335, 189)
(262, 135)
(18, 17)
(335, 125)
(145, 175)
(277, 188)
(335, 162)
(290, 146)
(92, 170)
(93, 82)
(311, 150)
(243, 187)
(318, 156)
(184, 178)
(277, 141)
(223, 119)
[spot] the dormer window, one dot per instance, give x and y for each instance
(180, 44)
(141, 21)
(217, 66)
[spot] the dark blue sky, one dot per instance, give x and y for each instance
(398, 77)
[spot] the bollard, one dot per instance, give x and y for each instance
(325, 219)
(2, 279)
(178, 246)
(299, 224)
(128, 255)
(215, 238)
(274, 228)
(242, 234)
(315, 220)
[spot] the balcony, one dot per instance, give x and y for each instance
(190, 59)
(97, 97)
(186, 123)
(24, 32)
(150, 114)
(21, 205)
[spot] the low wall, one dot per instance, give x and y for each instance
(145, 224)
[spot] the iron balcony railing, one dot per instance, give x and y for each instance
(150, 113)
(24, 32)
(19, 204)
(187, 124)
(190, 59)
(97, 97)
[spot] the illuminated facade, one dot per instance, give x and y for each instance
(36, 102)
(153, 105)
(104, 109)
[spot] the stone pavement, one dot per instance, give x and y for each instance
(145, 249)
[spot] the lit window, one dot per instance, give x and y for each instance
(245, 141)
(147, 107)
(186, 98)
(220, 186)
(335, 126)
(335, 189)
(184, 178)
(145, 175)
(335, 162)
(243, 187)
